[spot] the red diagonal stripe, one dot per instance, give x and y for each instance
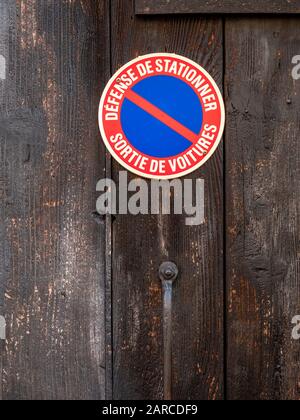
(161, 116)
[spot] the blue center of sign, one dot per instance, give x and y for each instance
(148, 134)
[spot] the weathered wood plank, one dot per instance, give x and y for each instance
(142, 243)
(153, 7)
(52, 254)
(263, 181)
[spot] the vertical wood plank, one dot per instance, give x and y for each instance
(142, 243)
(52, 253)
(263, 180)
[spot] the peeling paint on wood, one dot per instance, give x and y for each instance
(52, 254)
(2, 67)
(2, 328)
(262, 208)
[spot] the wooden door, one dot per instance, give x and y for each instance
(81, 294)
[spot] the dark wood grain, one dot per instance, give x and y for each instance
(142, 243)
(52, 252)
(59, 274)
(153, 7)
(263, 181)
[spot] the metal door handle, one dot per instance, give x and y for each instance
(168, 273)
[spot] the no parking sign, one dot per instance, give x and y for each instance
(161, 116)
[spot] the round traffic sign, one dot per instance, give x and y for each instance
(161, 116)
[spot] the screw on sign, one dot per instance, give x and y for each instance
(161, 116)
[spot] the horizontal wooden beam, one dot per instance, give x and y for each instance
(159, 7)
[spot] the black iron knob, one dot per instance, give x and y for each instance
(168, 271)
